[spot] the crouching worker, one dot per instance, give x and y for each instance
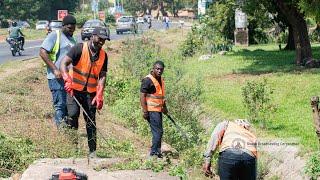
(238, 153)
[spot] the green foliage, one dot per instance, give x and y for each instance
(154, 164)
(178, 171)
(312, 167)
(182, 94)
(35, 9)
(82, 18)
(315, 36)
(15, 155)
(258, 102)
(4, 24)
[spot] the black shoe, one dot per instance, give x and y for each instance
(160, 156)
(22, 49)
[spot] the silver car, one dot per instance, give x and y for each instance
(126, 23)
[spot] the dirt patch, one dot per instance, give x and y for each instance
(23, 65)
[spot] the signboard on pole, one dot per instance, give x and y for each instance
(102, 16)
(94, 6)
(62, 14)
(201, 7)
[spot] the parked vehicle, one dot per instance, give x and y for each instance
(15, 46)
(126, 23)
(54, 25)
(23, 24)
(140, 20)
(88, 27)
(42, 25)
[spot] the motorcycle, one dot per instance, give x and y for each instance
(15, 46)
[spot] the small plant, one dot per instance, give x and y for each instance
(258, 102)
(312, 167)
(179, 171)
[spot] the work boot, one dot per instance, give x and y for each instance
(93, 155)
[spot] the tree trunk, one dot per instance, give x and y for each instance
(315, 111)
(290, 44)
(300, 32)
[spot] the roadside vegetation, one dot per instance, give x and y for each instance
(200, 94)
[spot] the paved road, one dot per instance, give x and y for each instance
(32, 47)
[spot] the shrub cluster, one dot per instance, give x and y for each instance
(182, 94)
(15, 155)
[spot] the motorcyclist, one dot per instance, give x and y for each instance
(15, 32)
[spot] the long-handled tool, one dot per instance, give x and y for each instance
(85, 112)
(178, 127)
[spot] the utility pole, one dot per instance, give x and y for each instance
(82, 6)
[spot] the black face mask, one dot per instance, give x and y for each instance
(95, 46)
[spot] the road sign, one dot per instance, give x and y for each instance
(62, 14)
(102, 16)
(94, 6)
(117, 15)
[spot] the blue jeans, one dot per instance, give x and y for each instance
(59, 98)
(236, 165)
(155, 121)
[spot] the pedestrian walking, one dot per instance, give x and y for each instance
(152, 98)
(149, 22)
(53, 49)
(85, 82)
(238, 153)
(167, 20)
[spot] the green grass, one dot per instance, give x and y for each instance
(32, 34)
(224, 76)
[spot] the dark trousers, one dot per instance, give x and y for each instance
(155, 121)
(85, 99)
(21, 38)
(234, 165)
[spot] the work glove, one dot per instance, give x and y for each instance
(67, 83)
(98, 98)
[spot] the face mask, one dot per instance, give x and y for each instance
(95, 47)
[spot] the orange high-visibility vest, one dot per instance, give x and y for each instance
(86, 72)
(236, 136)
(155, 101)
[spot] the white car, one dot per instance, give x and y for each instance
(41, 25)
(140, 20)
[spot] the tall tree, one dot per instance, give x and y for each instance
(35, 9)
(294, 12)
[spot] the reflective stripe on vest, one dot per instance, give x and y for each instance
(56, 47)
(155, 101)
(86, 73)
(236, 136)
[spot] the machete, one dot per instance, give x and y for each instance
(178, 127)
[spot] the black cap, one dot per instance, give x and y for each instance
(101, 32)
(69, 19)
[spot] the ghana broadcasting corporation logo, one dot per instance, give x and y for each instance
(238, 143)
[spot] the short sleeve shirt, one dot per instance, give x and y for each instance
(147, 86)
(76, 52)
(13, 32)
(66, 43)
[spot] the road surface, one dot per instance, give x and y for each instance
(32, 47)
